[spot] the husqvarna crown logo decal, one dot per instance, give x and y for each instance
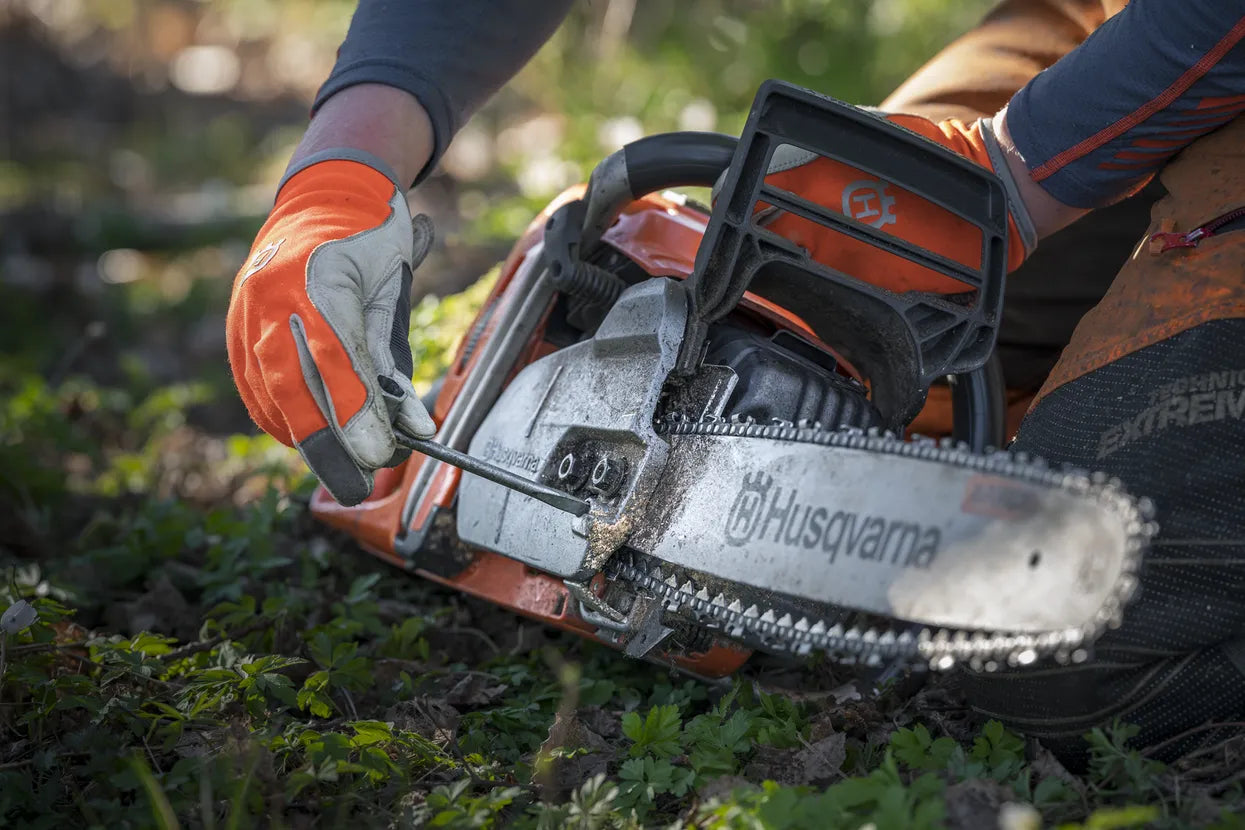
(867, 201)
(748, 508)
(764, 512)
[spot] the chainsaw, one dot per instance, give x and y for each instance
(672, 431)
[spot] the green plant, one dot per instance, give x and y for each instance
(342, 670)
(656, 734)
(453, 806)
(205, 655)
(644, 780)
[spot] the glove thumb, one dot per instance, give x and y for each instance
(406, 410)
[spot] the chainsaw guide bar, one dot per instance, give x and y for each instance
(747, 611)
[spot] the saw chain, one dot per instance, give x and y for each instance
(763, 619)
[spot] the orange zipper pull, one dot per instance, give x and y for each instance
(1166, 239)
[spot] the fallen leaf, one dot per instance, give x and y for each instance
(846, 692)
(472, 690)
(722, 787)
(773, 764)
(434, 719)
(605, 723)
(823, 759)
(563, 764)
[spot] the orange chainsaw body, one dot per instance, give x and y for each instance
(661, 235)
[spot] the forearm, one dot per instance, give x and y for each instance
(447, 58)
(1047, 213)
(1164, 74)
(384, 121)
(1103, 120)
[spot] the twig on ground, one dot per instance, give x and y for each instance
(354, 713)
(176, 654)
(35, 648)
(129, 672)
(440, 671)
(417, 665)
(484, 638)
(154, 763)
(1196, 773)
(451, 744)
(519, 639)
(1209, 749)
(1220, 786)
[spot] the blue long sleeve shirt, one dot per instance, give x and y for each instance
(1092, 128)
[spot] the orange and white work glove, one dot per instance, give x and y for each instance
(895, 211)
(318, 322)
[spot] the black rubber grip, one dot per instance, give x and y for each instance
(400, 334)
(685, 159)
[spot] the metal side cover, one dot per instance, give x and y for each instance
(591, 401)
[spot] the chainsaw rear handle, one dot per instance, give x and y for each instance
(685, 159)
(979, 406)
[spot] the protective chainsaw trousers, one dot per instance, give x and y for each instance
(1151, 389)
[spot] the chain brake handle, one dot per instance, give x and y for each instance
(901, 342)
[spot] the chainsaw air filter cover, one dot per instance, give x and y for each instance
(785, 378)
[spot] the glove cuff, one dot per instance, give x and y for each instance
(1015, 205)
(341, 154)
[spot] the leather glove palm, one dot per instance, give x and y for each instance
(318, 319)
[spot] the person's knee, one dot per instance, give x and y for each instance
(1166, 669)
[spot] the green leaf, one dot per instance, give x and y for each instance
(917, 749)
(1000, 750)
(657, 734)
(312, 697)
(368, 732)
(1048, 791)
(361, 588)
(779, 722)
(717, 743)
(161, 810)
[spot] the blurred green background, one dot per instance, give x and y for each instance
(140, 142)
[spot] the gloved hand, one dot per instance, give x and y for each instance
(317, 324)
(894, 211)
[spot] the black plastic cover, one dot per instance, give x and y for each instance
(783, 377)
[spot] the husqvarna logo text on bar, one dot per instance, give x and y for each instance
(763, 511)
